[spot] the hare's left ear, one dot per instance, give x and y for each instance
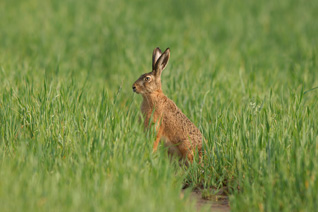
(162, 62)
(155, 56)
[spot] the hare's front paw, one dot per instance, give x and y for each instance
(154, 149)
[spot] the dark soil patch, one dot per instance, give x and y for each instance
(215, 200)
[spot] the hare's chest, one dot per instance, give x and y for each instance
(150, 112)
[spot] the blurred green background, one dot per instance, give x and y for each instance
(69, 132)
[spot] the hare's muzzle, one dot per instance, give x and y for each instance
(134, 88)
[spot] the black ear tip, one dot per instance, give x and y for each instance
(157, 50)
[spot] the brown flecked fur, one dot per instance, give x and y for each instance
(180, 135)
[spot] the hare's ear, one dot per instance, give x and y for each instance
(162, 62)
(155, 56)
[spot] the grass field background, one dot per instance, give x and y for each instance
(70, 135)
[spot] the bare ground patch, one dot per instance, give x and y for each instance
(216, 201)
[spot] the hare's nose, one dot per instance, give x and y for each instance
(134, 88)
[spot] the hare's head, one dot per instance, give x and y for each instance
(151, 82)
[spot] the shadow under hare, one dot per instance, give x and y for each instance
(179, 134)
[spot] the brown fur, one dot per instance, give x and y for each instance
(180, 135)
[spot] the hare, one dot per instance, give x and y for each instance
(179, 134)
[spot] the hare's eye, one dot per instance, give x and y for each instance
(147, 79)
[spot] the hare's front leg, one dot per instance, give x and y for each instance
(158, 137)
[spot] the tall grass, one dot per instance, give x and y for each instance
(70, 134)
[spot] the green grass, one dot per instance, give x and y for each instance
(70, 136)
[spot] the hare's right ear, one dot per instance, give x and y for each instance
(162, 62)
(155, 56)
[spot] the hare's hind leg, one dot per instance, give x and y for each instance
(186, 151)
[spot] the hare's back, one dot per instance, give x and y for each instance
(179, 126)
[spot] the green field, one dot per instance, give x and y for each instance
(70, 132)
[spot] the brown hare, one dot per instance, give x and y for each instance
(179, 134)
